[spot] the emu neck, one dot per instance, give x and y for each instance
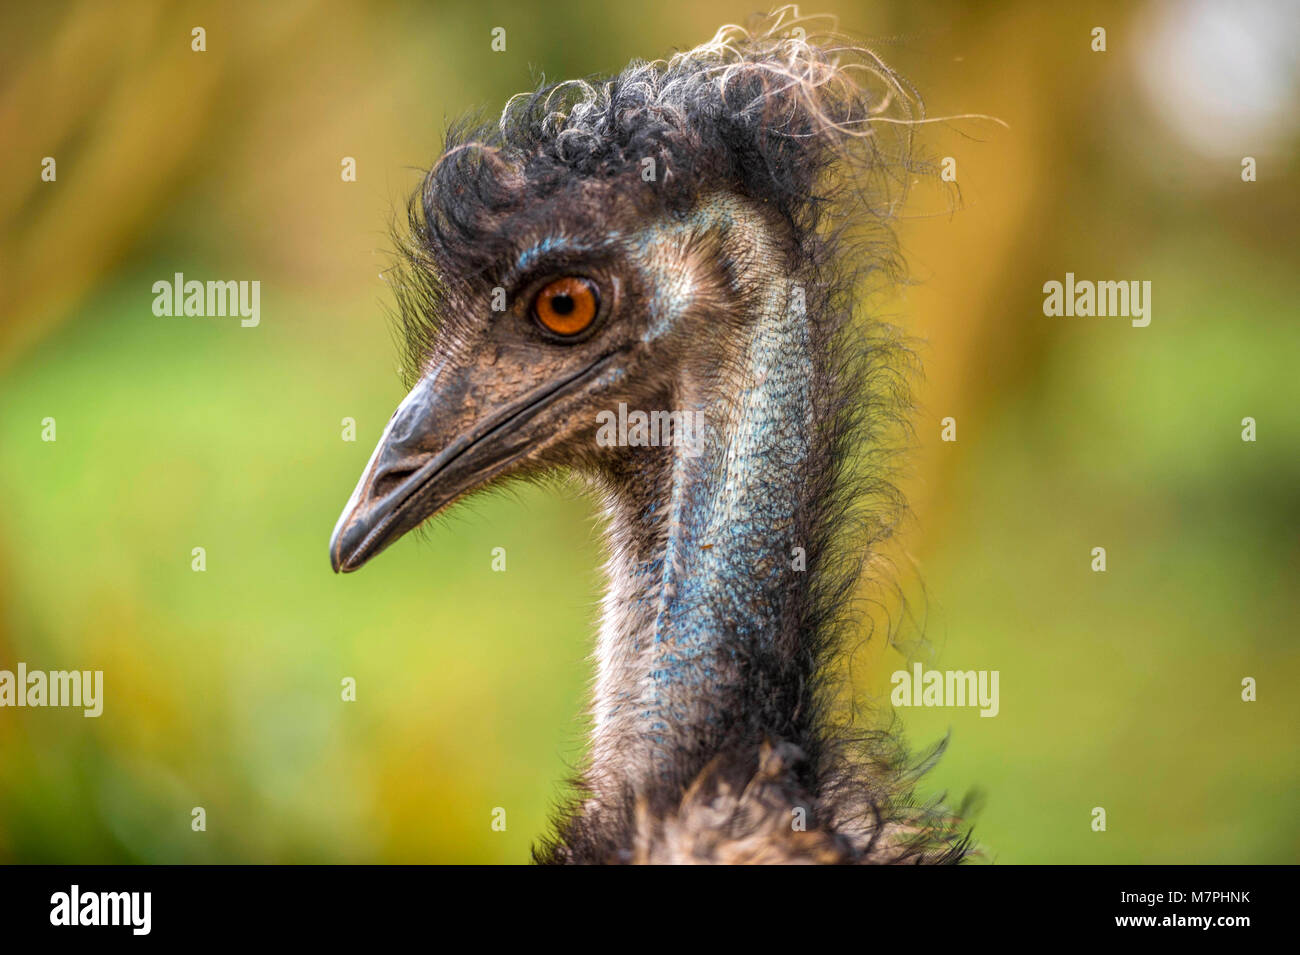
(705, 570)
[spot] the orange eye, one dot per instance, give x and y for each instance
(566, 306)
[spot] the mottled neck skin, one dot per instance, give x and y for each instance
(704, 560)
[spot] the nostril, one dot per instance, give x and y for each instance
(388, 481)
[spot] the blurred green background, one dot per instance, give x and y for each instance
(1119, 690)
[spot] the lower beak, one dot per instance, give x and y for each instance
(451, 435)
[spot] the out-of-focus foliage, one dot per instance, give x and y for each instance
(1119, 690)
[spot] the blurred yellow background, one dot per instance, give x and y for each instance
(1119, 690)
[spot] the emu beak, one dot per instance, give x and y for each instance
(452, 434)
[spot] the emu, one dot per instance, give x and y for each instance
(689, 236)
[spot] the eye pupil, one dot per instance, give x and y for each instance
(562, 304)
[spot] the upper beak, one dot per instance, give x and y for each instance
(453, 433)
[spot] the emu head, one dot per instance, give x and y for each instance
(603, 244)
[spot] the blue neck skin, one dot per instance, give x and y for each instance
(700, 574)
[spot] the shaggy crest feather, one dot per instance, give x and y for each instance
(763, 112)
